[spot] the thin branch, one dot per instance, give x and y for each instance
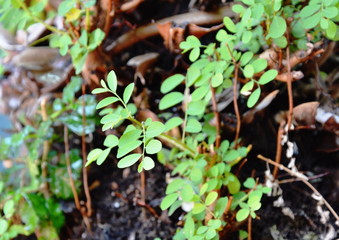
(279, 148)
(289, 85)
(69, 170)
(217, 117)
(235, 95)
(84, 156)
(303, 180)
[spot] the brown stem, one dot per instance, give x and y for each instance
(303, 180)
(200, 18)
(235, 95)
(143, 191)
(289, 86)
(69, 170)
(217, 117)
(84, 156)
(279, 148)
(249, 228)
(46, 147)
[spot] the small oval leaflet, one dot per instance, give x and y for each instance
(242, 214)
(111, 141)
(172, 82)
(211, 197)
(129, 160)
(128, 92)
(154, 129)
(148, 163)
(170, 100)
(168, 201)
(153, 146)
(112, 81)
(278, 27)
(93, 155)
(253, 99)
(268, 76)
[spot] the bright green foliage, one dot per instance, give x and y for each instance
(17, 14)
(27, 204)
(137, 134)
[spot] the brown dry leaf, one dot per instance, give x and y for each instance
(142, 63)
(172, 35)
(37, 58)
(304, 114)
(198, 31)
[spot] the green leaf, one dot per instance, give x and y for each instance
(95, 38)
(309, 10)
(247, 87)
(330, 12)
(99, 90)
(281, 42)
(103, 156)
(175, 185)
(242, 214)
(189, 227)
(174, 207)
(220, 206)
(278, 27)
(203, 189)
(129, 136)
(192, 75)
(331, 30)
(112, 81)
(129, 160)
(153, 146)
(200, 93)
(248, 71)
(9, 208)
(211, 197)
(83, 40)
(211, 233)
(170, 100)
(246, 37)
(65, 7)
(93, 155)
(196, 108)
(187, 193)
(253, 99)
(172, 123)
(231, 155)
(193, 126)
(128, 92)
(193, 41)
(198, 208)
(229, 24)
(259, 65)
(171, 82)
(148, 163)
(168, 201)
(194, 54)
(123, 150)
(238, 8)
(106, 101)
(324, 23)
(249, 183)
(214, 223)
(202, 230)
(221, 35)
(245, 58)
(3, 226)
(217, 80)
(268, 76)
(312, 21)
(154, 129)
(233, 183)
(196, 175)
(111, 141)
